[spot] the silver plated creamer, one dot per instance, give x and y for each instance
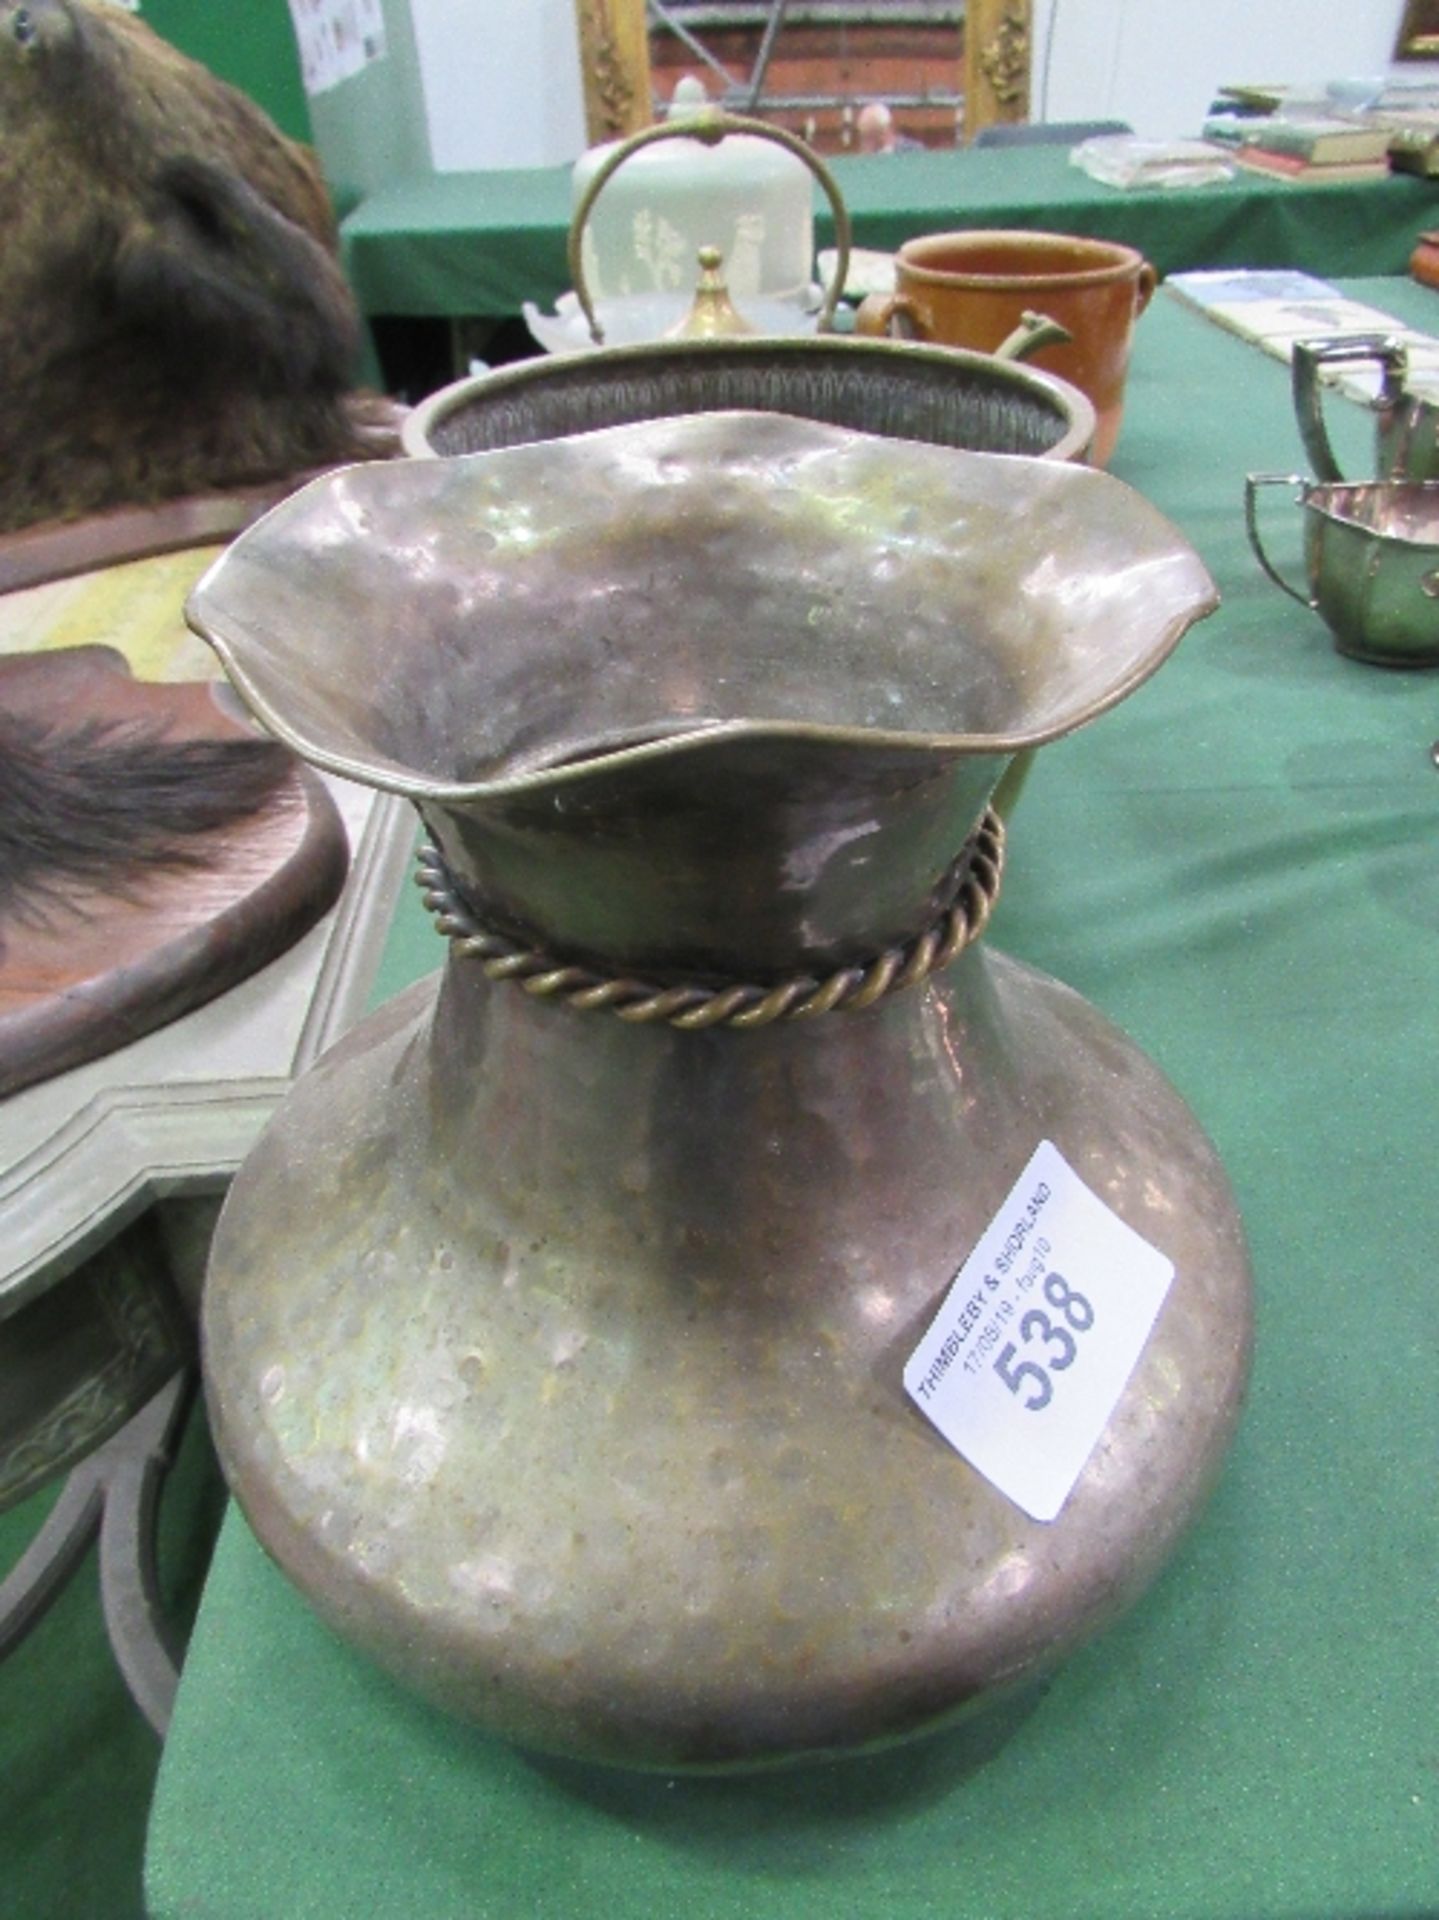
(1371, 562)
(554, 1332)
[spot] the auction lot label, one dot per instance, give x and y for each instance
(1024, 1363)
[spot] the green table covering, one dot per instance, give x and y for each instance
(1240, 865)
(458, 244)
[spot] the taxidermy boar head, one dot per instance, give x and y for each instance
(172, 317)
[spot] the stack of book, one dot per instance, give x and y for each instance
(1310, 150)
(1413, 139)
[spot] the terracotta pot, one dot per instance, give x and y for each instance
(971, 290)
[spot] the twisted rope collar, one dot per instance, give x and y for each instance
(977, 871)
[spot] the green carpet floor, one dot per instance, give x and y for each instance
(77, 1761)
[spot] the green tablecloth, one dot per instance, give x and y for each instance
(483, 243)
(1241, 865)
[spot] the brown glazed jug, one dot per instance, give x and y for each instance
(972, 290)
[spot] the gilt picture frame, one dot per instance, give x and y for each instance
(1418, 31)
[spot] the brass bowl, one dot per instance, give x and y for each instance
(898, 389)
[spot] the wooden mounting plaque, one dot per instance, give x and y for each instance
(81, 978)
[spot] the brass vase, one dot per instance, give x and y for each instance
(555, 1330)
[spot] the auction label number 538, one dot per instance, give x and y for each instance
(1053, 1340)
(1031, 1348)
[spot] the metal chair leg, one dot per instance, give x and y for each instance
(141, 1638)
(40, 1575)
(115, 1493)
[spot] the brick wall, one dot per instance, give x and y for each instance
(843, 65)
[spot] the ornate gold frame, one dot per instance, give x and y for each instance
(997, 53)
(615, 65)
(1418, 31)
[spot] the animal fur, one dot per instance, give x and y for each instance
(102, 806)
(172, 315)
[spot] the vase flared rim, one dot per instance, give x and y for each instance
(228, 619)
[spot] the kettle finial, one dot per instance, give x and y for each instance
(713, 315)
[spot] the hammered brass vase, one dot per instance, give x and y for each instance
(555, 1329)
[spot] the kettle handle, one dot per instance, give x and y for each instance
(1252, 483)
(710, 124)
(1033, 331)
(885, 316)
(890, 316)
(1383, 350)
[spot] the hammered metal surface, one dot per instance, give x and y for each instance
(654, 688)
(559, 1361)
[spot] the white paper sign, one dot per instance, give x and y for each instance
(1024, 1363)
(336, 38)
